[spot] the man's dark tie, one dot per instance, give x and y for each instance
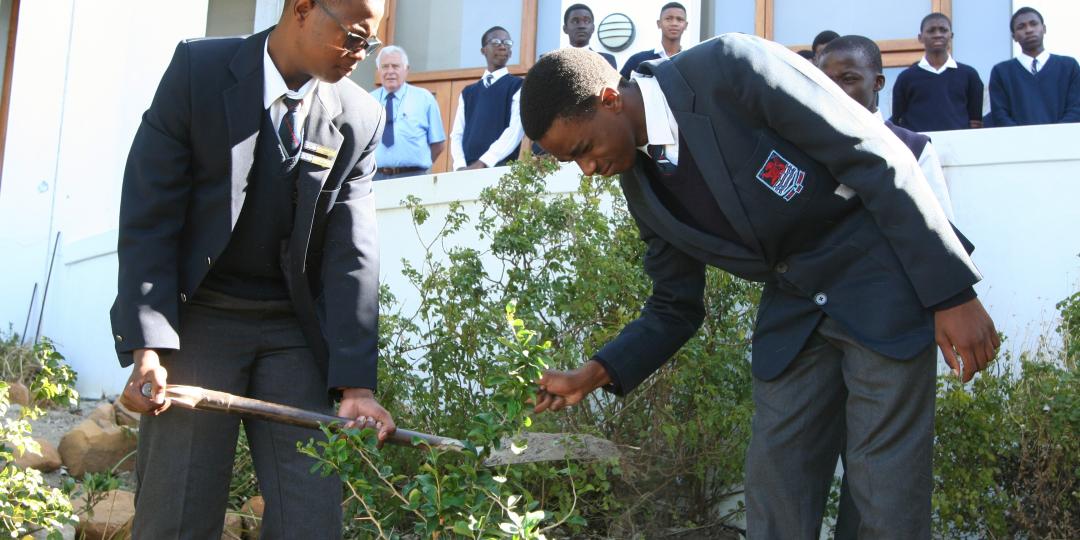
(388, 131)
(1034, 66)
(658, 155)
(488, 79)
(287, 132)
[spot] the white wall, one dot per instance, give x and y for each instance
(644, 15)
(84, 72)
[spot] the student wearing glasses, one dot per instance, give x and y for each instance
(487, 126)
(246, 210)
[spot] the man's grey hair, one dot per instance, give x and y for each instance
(390, 49)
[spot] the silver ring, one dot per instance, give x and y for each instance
(147, 390)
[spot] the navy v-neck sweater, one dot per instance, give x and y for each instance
(1018, 98)
(924, 101)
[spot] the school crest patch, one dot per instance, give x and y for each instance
(781, 176)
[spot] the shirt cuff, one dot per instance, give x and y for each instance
(961, 297)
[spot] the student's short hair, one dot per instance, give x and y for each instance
(806, 53)
(575, 7)
(670, 5)
(1022, 11)
(823, 37)
(932, 16)
(563, 84)
(391, 49)
(861, 45)
(484, 38)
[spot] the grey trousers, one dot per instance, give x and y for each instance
(185, 458)
(837, 392)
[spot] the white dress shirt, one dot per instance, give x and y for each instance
(661, 129)
(930, 165)
(504, 145)
(1025, 60)
(274, 88)
(925, 64)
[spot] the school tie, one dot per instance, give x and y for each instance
(487, 80)
(388, 131)
(659, 156)
(1034, 66)
(287, 130)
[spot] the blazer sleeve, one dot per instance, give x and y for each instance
(672, 314)
(153, 203)
(798, 102)
(350, 274)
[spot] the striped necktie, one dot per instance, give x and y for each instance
(487, 80)
(1034, 66)
(659, 155)
(287, 130)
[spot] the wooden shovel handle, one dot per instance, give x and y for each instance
(194, 397)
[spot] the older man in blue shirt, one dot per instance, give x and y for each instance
(414, 136)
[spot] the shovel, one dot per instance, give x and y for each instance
(538, 446)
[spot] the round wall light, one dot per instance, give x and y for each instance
(616, 32)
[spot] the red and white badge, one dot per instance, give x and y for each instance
(781, 176)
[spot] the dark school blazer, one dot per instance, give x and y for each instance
(830, 207)
(184, 186)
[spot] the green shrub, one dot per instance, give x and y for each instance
(573, 265)
(27, 504)
(1007, 460)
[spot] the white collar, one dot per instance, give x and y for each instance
(949, 63)
(1025, 60)
(274, 84)
(496, 75)
(877, 114)
(661, 51)
(661, 129)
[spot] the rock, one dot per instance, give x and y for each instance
(91, 447)
(67, 532)
(234, 527)
(48, 460)
(109, 519)
(104, 415)
(18, 393)
(125, 416)
(252, 512)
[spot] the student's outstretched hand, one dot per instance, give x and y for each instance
(561, 389)
(966, 334)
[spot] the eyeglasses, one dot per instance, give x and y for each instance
(495, 42)
(354, 43)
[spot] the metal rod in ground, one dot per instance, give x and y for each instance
(45, 292)
(29, 311)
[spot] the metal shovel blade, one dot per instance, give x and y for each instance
(538, 446)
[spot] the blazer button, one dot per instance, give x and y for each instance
(183, 297)
(119, 338)
(781, 268)
(209, 262)
(820, 299)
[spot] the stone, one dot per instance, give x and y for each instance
(103, 414)
(125, 416)
(18, 393)
(252, 512)
(234, 526)
(91, 447)
(110, 518)
(47, 460)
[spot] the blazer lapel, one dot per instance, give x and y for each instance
(320, 131)
(717, 251)
(697, 130)
(243, 113)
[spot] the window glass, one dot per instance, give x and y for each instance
(230, 17)
(797, 21)
(446, 34)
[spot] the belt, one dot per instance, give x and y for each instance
(391, 171)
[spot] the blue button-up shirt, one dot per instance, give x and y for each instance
(417, 125)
